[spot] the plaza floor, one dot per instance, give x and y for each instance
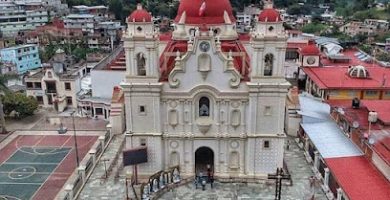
(298, 167)
(300, 190)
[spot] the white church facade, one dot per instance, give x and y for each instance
(203, 98)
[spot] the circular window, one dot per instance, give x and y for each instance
(271, 28)
(139, 29)
(311, 60)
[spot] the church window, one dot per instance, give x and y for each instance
(271, 28)
(266, 144)
(139, 29)
(204, 107)
(142, 109)
(141, 71)
(268, 64)
(192, 32)
(267, 111)
(142, 142)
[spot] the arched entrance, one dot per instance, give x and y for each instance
(204, 157)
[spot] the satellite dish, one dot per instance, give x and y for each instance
(371, 141)
(341, 111)
(355, 124)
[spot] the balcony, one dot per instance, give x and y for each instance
(51, 91)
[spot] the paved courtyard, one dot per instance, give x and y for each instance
(299, 170)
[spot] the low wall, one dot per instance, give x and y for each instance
(78, 179)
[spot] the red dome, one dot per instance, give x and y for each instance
(310, 49)
(140, 15)
(269, 15)
(213, 12)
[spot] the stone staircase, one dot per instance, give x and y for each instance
(107, 180)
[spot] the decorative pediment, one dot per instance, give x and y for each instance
(201, 56)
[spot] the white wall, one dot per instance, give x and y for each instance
(104, 81)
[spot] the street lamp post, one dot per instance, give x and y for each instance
(75, 140)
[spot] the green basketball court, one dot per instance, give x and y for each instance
(27, 170)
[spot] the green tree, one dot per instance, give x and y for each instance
(4, 78)
(314, 28)
(383, 57)
(116, 7)
(20, 103)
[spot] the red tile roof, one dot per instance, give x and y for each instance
(213, 13)
(359, 179)
(382, 107)
(350, 54)
(359, 115)
(382, 148)
(310, 49)
(167, 59)
(338, 78)
(296, 44)
(140, 15)
(269, 15)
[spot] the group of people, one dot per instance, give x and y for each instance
(202, 180)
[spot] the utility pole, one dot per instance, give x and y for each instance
(75, 139)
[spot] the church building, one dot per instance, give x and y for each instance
(202, 98)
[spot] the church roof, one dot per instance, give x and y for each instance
(241, 63)
(310, 49)
(269, 15)
(140, 15)
(212, 14)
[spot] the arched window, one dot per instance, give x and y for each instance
(268, 64)
(141, 71)
(204, 107)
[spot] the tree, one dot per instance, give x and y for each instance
(20, 103)
(384, 57)
(4, 89)
(116, 7)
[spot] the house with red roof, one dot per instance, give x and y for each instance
(348, 82)
(370, 134)
(349, 162)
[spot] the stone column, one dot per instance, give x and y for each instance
(81, 171)
(326, 180)
(101, 140)
(69, 190)
(92, 153)
(307, 144)
(316, 160)
(339, 193)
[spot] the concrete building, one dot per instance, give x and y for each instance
(96, 24)
(25, 57)
(105, 76)
(206, 100)
(52, 89)
(15, 17)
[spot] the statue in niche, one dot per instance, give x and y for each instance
(204, 110)
(162, 181)
(155, 185)
(204, 107)
(145, 192)
(268, 64)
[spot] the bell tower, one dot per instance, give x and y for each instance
(141, 47)
(269, 43)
